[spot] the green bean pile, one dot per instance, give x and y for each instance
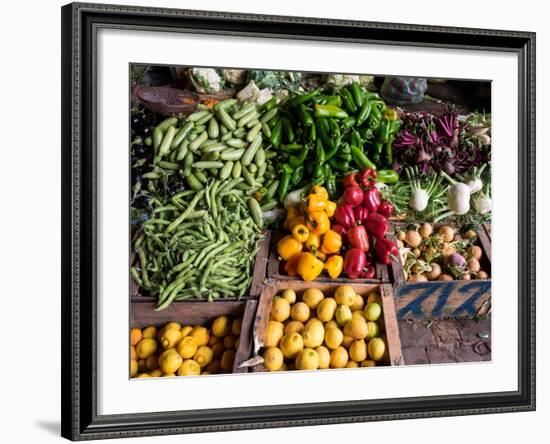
(225, 142)
(199, 244)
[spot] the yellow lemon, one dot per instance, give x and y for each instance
(299, 312)
(236, 326)
(170, 337)
(135, 336)
(143, 375)
(200, 334)
(214, 367)
(373, 311)
(133, 367)
(377, 349)
(185, 330)
(374, 297)
(313, 334)
(351, 364)
(294, 327)
(273, 359)
(312, 297)
(218, 349)
(156, 373)
(331, 324)
(338, 358)
(146, 347)
(170, 361)
(358, 314)
(307, 359)
(359, 328)
(229, 341)
(273, 333)
(133, 353)
(168, 375)
(326, 309)
(374, 330)
(280, 309)
(221, 326)
(187, 347)
(342, 314)
(150, 332)
(358, 303)
(204, 356)
(228, 358)
(289, 295)
(324, 356)
(189, 368)
(368, 363)
(175, 325)
(345, 295)
(358, 350)
(214, 340)
(291, 345)
(333, 338)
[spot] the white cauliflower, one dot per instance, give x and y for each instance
(235, 76)
(339, 80)
(263, 96)
(249, 93)
(205, 80)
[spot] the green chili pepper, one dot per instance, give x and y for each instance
(288, 130)
(339, 164)
(387, 176)
(312, 135)
(297, 175)
(329, 111)
(276, 133)
(334, 129)
(328, 100)
(303, 98)
(389, 152)
(330, 184)
(296, 160)
(291, 147)
(356, 139)
(346, 157)
(318, 170)
(284, 182)
(364, 113)
(344, 149)
(360, 159)
(305, 116)
(270, 104)
(378, 147)
(347, 99)
(357, 94)
(319, 151)
(349, 122)
(384, 131)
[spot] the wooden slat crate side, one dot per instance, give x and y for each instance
(487, 228)
(273, 287)
(143, 314)
(275, 268)
(459, 298)
(259, 274)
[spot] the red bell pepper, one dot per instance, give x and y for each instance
(353, 196)
(366, 177)
(344, 216)
(355, 262)
(368, 273)
(350, 180)
(377, 225)
(386, 250)
(371, 199)
(385, 209)
(361, 214)
(358, 238)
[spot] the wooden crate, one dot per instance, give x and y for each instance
(258, 276)
(274, 287)
(143, 314)
(275, 268)
(459, 298)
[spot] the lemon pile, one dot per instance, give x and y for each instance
(319, 332)
(177, 350)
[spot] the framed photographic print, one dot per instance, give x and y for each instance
(277, 221)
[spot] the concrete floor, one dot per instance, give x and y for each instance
(439, 341)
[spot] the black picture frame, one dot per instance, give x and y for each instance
(79, 390)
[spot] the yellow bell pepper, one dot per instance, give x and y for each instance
(316, 203)
(332, 242)
(290, 214)
(300, 232)
(288, 247)
(320, 255)
(291, 267)
(319, 191)
(330, 208)
(313, 242)
(300, 220)
(309, 267)
(318, 222)
(334, 266)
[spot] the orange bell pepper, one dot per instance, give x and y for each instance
(319, 191)
(309, 267)
(300, 232)
(334, 266)
(288, 247)
(313, 242)
(330, 208)
(318, 222)
(332, 242)
(291, 267)
(316, 203)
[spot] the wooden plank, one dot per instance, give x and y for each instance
(245, 339)
(274, 286)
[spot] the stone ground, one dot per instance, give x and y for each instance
(439, 341)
